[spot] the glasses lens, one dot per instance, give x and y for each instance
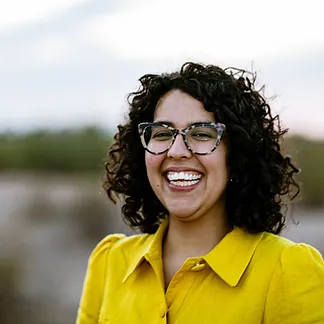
(202, 139)
(157, 138)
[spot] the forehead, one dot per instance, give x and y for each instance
(181, 109)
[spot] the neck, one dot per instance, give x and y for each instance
(187, 239)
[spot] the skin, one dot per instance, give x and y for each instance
(197, 218)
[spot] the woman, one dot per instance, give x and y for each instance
(200, 168)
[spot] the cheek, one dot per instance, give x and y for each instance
(153, 170)
(215, 164)
(153, 165)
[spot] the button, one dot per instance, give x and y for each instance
(199, 265)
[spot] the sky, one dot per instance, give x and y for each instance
(71, 63)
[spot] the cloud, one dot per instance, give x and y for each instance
(15, 13)
(76, 67)
(232, 29)
(50, 50)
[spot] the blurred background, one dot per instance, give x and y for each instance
(66, 67)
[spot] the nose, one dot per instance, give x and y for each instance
(179, 149)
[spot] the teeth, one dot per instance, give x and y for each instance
(183, 176)
(184, 183)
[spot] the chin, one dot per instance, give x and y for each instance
(182, 213)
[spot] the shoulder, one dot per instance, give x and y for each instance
(301, 269)
(296, 290)
(112, 249)
(290, 254)
(276, 242)
(112, 244)
(300, 256)
(121, 241)
(292, 259)
(103, 247)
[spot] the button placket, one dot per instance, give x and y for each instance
(178, 290)
(164, 313)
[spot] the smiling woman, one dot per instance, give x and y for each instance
(201, 172)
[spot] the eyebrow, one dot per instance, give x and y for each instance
(164, 122)
(189, 124)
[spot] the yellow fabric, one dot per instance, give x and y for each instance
(246, 278)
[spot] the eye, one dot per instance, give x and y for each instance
(161, 135)
(202, 136)
(203, 133)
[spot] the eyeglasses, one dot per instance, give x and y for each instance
(200, 138)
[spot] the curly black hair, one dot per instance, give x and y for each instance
(261, 175)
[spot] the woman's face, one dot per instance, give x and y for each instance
(203, 178)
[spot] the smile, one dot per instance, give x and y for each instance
(183, 179)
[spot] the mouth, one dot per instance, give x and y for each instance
(183, 179)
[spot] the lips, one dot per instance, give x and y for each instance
(183, 178)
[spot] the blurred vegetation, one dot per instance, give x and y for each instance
(8, 293)
(60, 216)
(84, 150)
(64, 151)
(309, 158)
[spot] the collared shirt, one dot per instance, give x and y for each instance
(246, 278)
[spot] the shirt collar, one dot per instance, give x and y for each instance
(149, 248)
(232, 255)
(228, 259)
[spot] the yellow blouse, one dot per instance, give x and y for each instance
(246, 278)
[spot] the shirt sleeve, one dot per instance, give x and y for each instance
(94, 282)
(296, 291)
